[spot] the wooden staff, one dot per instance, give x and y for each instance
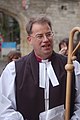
(69, 68)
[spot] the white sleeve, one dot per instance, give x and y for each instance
(76, 114)
(7, 94)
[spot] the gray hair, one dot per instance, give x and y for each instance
(39, 20)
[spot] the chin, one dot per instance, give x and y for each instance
(47, 54)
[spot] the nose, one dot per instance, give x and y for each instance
(45, 38)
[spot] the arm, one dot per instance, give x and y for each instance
(76, 114)
(7, 94)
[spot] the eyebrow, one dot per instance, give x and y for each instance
(43, 33)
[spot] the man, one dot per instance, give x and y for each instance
(36, 82)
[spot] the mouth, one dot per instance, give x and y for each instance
(46, 46)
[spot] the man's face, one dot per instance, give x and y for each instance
(42, 40)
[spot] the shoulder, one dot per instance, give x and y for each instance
(24, 59)
(76, 67)
(24, 62)
(60, 58)
(8, 73)
(10, 67)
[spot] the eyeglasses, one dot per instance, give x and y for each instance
(48, 35)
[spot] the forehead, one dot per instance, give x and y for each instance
(40, 27)
(63, 44)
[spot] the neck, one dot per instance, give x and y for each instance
(39, 59)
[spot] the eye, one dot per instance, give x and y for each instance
(49, 34)
(40, 36)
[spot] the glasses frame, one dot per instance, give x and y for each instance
(39, 37)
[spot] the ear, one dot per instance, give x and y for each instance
(29, 39)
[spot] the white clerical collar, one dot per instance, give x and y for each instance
(46, 71)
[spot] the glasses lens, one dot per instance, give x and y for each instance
(48, 35)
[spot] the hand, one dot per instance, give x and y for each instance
(63, 51)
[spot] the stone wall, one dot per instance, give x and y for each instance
(64, 14)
